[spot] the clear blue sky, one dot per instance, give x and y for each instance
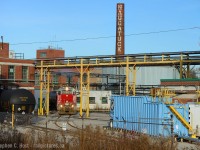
(29, 21)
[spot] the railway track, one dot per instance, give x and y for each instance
(68, 122)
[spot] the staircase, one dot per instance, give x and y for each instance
(184, 122)
(178, 115)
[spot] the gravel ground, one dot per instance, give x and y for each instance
(55, 121)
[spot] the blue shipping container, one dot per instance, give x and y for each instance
(146, 115)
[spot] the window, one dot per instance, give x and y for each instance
(11, 72)
(78, 100)
(37, 79)
(25, 73)
(68, 81)
(43, 54)
(55, 79)
(104, 100)
(92, 100)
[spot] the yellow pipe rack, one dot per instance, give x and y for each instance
(127, 61)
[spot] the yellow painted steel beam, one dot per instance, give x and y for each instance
(145, 58)
(117, 64)
(162, 60)
(40, 111)
(81, 89)
(13, 115)
(112, 61)
(162, 57)
(127, 76)
(181, 66)
(185, 123)
(88, 94)
(47, 92)
(134, 79)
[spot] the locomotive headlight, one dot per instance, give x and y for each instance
(61, 106)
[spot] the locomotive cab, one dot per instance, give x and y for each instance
(66, 100)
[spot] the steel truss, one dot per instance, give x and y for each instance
(85, 64)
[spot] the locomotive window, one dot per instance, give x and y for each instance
(92, 100)
(66, 92)
(104, 100)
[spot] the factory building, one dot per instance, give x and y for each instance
(15, 71)
(20, 72)
(50, 52)
(146, 78)
(186, 89)
(65, 77)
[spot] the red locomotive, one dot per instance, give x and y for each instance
(66, 101)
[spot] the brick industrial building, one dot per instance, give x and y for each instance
(64, 77)
(59, 77)
(186, 89)
(15, 71)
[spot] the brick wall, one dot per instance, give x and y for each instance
(50, 53)
(181, 83)
(17, 63)
(4, 50)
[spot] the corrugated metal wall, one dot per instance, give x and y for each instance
(152, 75)
(145, 75)
(142, 114)
(114, 71)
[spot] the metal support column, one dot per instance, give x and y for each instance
(134, 79)
(47, 92)
(127, 76)
(188, 71)
(40, 111)
(81, 88)
(13, 115)
(88, 93)
(181, 66)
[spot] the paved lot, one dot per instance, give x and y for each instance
(55, 121)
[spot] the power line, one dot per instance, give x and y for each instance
(112, 36)
(164, 31)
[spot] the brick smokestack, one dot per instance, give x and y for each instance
(120, 30)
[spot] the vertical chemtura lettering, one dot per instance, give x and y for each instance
(120, 29)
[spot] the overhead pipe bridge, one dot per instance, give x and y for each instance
(129, 62)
